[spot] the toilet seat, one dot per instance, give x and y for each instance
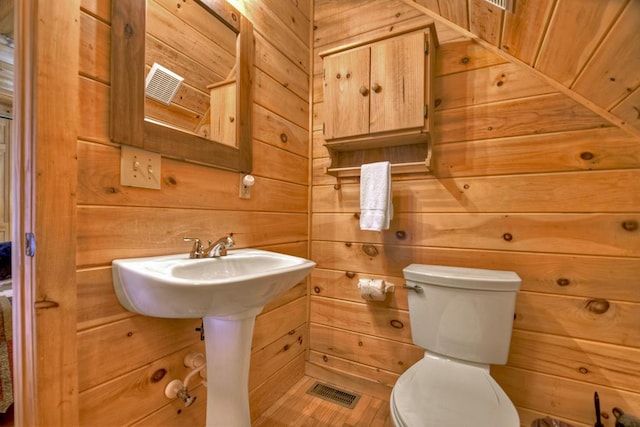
(442, 392)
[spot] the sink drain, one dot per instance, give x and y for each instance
(335, 395)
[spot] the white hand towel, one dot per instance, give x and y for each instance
(376, 209)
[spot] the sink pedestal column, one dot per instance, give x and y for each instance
(228, 348)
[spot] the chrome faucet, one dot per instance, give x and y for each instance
(214, 250)
(219, 247)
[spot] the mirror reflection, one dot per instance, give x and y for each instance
(182, 80)
(190, 60)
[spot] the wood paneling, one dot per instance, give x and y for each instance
(338, 23)
(364, 348)
(491, 84)
(528, 179)
(587, 192)
(175, 413)
(579, 359)
(485, 20)
(117, 221)
(98, 8)
(95, 40)
(523, 116)
(464, 55)
(267, 393)
(270, 358)
(552, 394)
(589, 48)
(130, 337)
(279, 29)
(593, 149)
(54, 124)
(515, 155)
(562, 58)
(196, 45)
(298, 408)
(369, 318)
(522, 29)
(344, 285)
(455, 11)
(107, 403)
(564, 233)
(182, 185)
(606, 85)
(97, 245)
(578, 275)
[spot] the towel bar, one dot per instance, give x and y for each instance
(396, 169)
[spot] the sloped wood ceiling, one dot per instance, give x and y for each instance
(589, 47)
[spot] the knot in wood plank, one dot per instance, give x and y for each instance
(370, 250)
(597, 305)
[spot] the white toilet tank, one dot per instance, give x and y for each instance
(463, 313)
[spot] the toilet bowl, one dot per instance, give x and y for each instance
(440, 392)
(463, 319)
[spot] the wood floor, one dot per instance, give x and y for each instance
(297, 408)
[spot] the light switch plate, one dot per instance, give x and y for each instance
(139, 168)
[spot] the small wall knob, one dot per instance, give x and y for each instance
(248, 180)
(364, 91)
(376, 87)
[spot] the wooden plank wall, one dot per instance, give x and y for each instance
(597, 64)
(124, 360)
(526, 180)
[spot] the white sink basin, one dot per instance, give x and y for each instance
(227, 293)
(233, 286)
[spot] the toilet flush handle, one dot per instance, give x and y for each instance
(416, 288)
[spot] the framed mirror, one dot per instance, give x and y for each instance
(181, 80)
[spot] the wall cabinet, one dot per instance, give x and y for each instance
(377, 102)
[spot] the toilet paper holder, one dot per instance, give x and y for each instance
(375, 289)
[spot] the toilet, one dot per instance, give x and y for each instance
(463, 318)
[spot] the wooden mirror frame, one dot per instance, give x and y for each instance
(128, 124)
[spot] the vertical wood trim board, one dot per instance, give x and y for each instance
(48, 108)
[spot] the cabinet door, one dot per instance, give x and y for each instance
(398, 83)
(346, 93)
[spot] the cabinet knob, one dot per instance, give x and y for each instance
(364, 91)
(376, 87)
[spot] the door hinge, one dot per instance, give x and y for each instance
(323, 128)
(30, 244)
(426, 47)
(426, 111)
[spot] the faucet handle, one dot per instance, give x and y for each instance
(196, 249)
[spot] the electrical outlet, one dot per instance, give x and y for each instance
(139, 168)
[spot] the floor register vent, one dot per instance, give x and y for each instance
(335, 395)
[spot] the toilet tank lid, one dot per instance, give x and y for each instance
(462, 277)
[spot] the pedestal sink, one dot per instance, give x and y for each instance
(227, 292)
